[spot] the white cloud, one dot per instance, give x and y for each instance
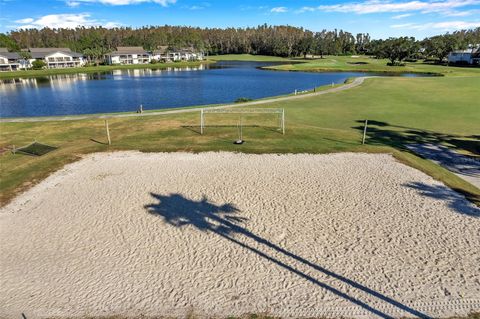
(306, 9)
(26, 20)
(379, 6)
(72, 3)
(279, 10)
(76, 3)
(250, 8)
(111, 24)
(461, 13)
(443, 26)
(66, 20)
(201, 6)
(401, 16)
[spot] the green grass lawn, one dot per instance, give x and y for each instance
(367, 64)
(400, 110)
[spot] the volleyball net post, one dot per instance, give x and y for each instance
(279, 113)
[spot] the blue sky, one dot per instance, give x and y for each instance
(380, 18)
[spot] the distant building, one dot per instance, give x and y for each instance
(163, 54)
(469, 56)
(9, 61)
(189, 54)
(138, 55)
(128, 55)
(55, 58)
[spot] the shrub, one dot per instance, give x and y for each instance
(396, 63)
(38, 65)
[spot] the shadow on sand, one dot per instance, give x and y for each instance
(223, 220)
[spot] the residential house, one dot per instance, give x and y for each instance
(128, 55)
(9, 61)
(55, 58)
(189, 54)
(138, 55)
(469, 56)
(163, 54)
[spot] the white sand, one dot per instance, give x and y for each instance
(335, 235)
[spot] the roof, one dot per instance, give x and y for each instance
(129, 50)
(3, 50)
(49, 49)
(187, 50)
(40, 53)
(10, 55)
(161, 49)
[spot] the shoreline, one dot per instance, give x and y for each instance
(327, 70)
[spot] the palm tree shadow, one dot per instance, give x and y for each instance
(223, 220)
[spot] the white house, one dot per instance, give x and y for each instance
(128, 55)
(138, 55)
(9, 61)
(469, 56)
(56, 57)
(189, 54)
(163, 54)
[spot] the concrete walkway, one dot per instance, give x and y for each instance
(354, 83)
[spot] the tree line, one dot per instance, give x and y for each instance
(283, 41)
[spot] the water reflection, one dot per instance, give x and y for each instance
(67, 79)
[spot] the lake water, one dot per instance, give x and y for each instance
(125, 90)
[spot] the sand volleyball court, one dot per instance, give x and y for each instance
(219, 234)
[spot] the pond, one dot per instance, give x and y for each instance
(125, 90)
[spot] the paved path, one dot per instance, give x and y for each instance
(466, 167)
(356, 82)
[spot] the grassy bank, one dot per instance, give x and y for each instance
(95, 69)
(400, 110)
(367, 64)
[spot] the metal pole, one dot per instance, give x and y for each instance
(201, 121)
(283, 121)
(364, 131)
(108, 132)
(241, 128)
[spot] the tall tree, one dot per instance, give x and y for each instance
(439, 46)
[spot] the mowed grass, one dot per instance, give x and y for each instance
(368, 64)
(400, 111)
